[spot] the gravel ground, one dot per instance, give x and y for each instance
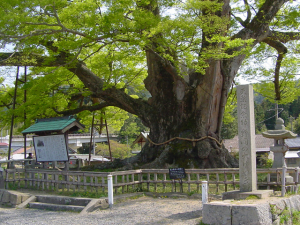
(141, 211)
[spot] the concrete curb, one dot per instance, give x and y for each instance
(92, 205)
(24, 204)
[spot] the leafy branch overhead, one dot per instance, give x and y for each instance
(171, 63)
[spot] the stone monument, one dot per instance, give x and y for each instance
(246, 131)
(247, 149)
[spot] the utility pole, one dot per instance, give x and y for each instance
(108, 140)
(291, 121)
(276, 110)
(13, 116)
(25, 117)
(92, 135)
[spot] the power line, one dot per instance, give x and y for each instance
(276, 114)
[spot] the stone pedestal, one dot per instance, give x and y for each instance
(279, 153)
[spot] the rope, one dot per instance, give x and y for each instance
(186, 139)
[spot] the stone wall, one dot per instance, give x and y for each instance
(12, 198)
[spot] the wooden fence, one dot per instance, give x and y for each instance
(156, 180)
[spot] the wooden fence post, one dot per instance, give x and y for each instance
(297, 178)
(2, 182)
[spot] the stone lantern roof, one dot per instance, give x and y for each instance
(280, 132)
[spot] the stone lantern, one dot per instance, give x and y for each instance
(279, 149)
(279, 135)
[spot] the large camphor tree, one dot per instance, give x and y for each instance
(185, 53)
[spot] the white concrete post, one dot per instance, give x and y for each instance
(110, 191)
(204, 192)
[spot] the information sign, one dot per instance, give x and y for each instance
(50, 148)
(177, 173)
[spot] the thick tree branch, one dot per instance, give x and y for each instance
(248, 12)
(266, 13)
(83, 108)
(8, 106)
(21, 59)
(276, 44)
(282, 50)
(113, 96)
(284, 37)
(165, 63)
(245, 22)
(117, 97)
(258, 27)
(276, 81)
(61, 28)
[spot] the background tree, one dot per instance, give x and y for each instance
(118, 150)
(185, 54)
(230, 123)
(130, 130)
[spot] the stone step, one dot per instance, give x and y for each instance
(55, 207)
(63, 200)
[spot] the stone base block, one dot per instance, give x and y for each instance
(217, 213)
(243, 195)
(12, 197)
(253, 212)
(220, 213)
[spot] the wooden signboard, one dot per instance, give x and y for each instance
(177, 173)
(50, 148)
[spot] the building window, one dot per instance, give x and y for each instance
(292, 161)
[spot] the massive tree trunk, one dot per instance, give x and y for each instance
(184, 121)
(187, 113)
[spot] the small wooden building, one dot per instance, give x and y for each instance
(55, 125)
(141, 139)
(57, 129)
(292, 155)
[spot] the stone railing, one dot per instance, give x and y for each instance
(156, 180)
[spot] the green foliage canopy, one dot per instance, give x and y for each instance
(110, 38)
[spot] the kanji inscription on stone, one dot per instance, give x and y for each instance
(246, 131)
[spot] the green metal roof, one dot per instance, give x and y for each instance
(56, 124)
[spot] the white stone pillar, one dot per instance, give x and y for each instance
(110, 191)
(204, 192)
(246, 131)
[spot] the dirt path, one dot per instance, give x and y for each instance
(144, 210)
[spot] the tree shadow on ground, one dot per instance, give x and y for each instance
(186, 216)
